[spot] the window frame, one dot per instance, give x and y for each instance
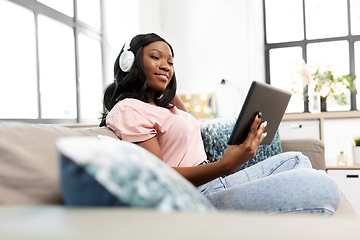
(78, 27)
(351, 39)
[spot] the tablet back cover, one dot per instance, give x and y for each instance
(270, 101)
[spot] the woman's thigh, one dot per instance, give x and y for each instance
(276, 164)
(273, 165)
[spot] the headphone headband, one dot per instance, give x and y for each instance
(127, 45)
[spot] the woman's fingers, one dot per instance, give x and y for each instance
(254, 128)
(256, 132)
(261, 132)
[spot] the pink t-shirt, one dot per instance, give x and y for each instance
(177, 132)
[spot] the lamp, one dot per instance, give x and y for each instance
(223, 81)
(236, 108)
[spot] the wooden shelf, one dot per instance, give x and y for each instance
(323, 115)
(351, 166)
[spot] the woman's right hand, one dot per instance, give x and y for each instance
(236, 155)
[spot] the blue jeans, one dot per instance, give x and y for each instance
(280, 184)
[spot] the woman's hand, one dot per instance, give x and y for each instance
(178, 103)
(236, 155)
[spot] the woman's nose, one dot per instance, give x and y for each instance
(164, 66)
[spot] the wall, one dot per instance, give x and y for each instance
(121, 21)
(212, 40)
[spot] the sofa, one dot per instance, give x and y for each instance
(31, 199)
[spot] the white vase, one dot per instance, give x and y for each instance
(356, 154)
(314, 103)
(341, 159)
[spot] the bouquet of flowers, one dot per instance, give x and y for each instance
(326, 84)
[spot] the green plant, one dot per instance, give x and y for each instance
(357, 141)
(326, 84)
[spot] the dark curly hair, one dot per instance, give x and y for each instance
(133, 84)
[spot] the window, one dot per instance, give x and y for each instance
(291, 29)
(52, 55)
(18, 61)
(89, 75)
(63, 6)
(57, 69)
(300, 31)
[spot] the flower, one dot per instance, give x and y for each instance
(318, 80)
(326, 84)
(305, 73)
(301, 77)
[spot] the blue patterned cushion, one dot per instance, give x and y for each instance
(105, 171)
(216, 133)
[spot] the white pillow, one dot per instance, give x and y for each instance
(133, 175)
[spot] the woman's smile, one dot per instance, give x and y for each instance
(158, 65)
(162, 76)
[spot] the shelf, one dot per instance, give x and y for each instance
(324, 115)
(347, 167)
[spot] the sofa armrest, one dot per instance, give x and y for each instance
(313, 148)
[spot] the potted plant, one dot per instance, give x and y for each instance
(326, 84)
(356, 150)
(321, 83)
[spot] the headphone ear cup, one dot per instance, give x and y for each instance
(126, 61)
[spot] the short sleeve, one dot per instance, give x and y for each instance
(129, 124)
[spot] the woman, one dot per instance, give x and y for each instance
(143, 108)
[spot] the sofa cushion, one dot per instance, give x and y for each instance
(29, 172)
(109, 172)
(216, 133)
(312, 148)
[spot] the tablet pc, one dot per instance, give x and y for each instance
(270, 101)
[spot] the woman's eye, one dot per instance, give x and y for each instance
(155, 57)
(171, 63)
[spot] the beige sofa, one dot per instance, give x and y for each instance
(30, 194)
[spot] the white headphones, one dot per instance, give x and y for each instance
(127, 58)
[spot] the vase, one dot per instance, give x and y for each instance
(356, 154)
(341, 159)
(314, 103)
(323, 104)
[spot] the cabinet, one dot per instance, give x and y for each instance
(299, 129)
(320, 117)
(349, 183)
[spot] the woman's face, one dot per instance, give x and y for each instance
(158, 65)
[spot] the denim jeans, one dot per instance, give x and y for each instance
(280, 184)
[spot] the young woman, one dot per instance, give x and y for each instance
(141, 106)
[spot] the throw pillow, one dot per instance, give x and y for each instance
(216, 133)
(108, 172)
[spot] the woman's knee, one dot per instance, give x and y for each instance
(322, 191)
(300, 160)
(285, 162)
(300, 190)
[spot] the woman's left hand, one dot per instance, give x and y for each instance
(236, 155)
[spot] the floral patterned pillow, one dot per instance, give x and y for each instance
(216, 133)
(105, 171)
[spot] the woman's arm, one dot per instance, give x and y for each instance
(178, 103)
(198, 175)
(234, 156)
